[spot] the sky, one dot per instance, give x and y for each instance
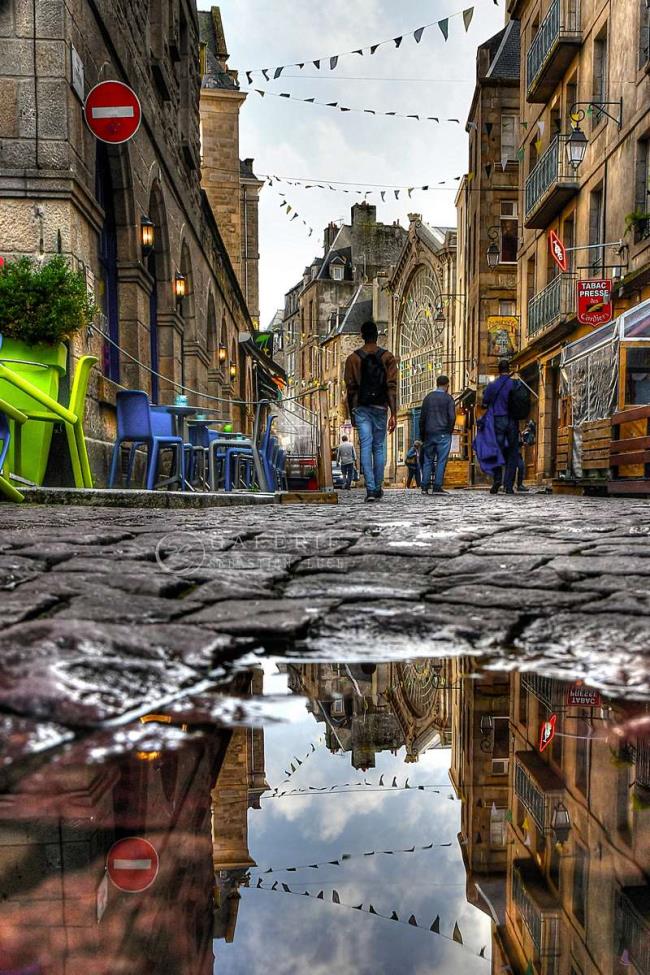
(292, 139)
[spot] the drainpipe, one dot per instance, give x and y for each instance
(246, 243)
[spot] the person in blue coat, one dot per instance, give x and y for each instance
(498, 436)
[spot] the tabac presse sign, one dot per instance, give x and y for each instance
(594, 301)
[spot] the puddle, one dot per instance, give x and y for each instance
(402, 817)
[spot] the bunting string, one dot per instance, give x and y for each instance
(295, 763)
(339, 107)
(362, 786)
(456, 936)
(332, 60)
(344, 857)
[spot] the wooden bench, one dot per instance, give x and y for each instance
(629, 456)
(596, 440)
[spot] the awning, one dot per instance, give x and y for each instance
(633, 324)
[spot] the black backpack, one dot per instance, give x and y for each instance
(519, 401)
(373, 390)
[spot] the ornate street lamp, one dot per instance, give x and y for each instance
(487, 724)
(576, 147)
(561, 823)
(222, 354)
(179, 286)
(147, 236)
(493, 253)
(233, 370)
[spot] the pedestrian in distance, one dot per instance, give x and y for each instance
(437, 423)
(413, 467)
(526, 439)
(497, 442)
(371, 386)
(346, 457)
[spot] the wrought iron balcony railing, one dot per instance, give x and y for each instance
(540, 913)
(633, 926)
(537, 787)
(555, 304)
(552, 48)
(551, 183)
(548, 690)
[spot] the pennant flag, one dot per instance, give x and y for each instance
(286, 889)
(528, 841)
(538, 145)
(374, 48)
(394, 916)
(398, 41)
(306, 894)
(542, 126)
(346, 856)
(418, 34)
(370, 854)
(371, 910)
(301, 66)
(319, 896)
(429, 846)
(262, 94)
(529, 969)
(472, 125)
(313, 746)
(249, 77)
(425, 188)
(294, 217)
(360, 51)
(285, 95)
(316, 64)
(410, 193)
(335, 897)
(504, 161)
(412, 921)
(432, 118)
(625, 958)
(265, 72)
(481, 953)
(488, 128)
(332, 104)
(275, 885)
(525, 125)
(383, 196)
(435, 927)
(414, 116)
(259, 882)
(521, 154)
(335, 863)
(278, 72)
(467, 17)
(358, 907)
(444, 27)
(333, 62)
(370, 111)
(445, 844)
(394, 786)
(293, 767)
(345, 110)
(457, 936)
(470, 177)
(488, 170)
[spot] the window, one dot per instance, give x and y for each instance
(637, 377)
(509, 232)
(498, 826)
(580, 885)
(523, 704)
(336, 272)
(644, 33)
(509, 127)
(507, 309)
(599, 88)
(596, 228)
(642, 192)
(583, 753)
(400, 445)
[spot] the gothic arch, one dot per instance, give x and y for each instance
(420, 337)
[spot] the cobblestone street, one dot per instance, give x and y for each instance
(110, 612)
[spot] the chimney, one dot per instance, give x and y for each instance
(363, 213)
(330, 236)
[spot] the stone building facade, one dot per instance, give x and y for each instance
(590, 61)
(63, 191)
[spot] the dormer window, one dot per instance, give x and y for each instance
(337, 269)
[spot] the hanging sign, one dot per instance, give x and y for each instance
(112, 111)
(584, 697)
(594, 302)
(503, 335)
(132, 864)
(547, 733)
(558, 251)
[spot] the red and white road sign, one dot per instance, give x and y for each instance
(113, 112)
(547, 732)
(558, 251)
(132, 864)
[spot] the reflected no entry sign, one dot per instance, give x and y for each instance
(112, 111)
(132, 864)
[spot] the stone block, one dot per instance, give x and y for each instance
(16, 56)
(23, 25)
(53, 124)
(27, 109)
(9, 109)
(17, 154)
(51, 59)
(50, 18)
(54, 154)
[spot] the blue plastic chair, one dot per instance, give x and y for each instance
(281, 470)
(140, 425)
(7, 489)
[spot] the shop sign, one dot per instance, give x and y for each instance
(132, 864)
(595, 302)
(558, 251)
(503, 335)
(102, 898)
(113, 112)
(547, 733)
(583, 697)
(77, 72)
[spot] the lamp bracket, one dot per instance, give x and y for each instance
(599, 106)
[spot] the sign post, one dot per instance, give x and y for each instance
(113, 112)
(132, 864)
(558, 251)
(594, 302)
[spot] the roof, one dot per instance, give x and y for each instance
(506, 63)
(211, 34)
(276, 322)
(341, 250)
(437, 235)
(350, 317)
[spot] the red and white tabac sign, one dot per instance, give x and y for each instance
(558, 251)
(112, 111)
(132, 864)
(583, 697)
(547, 733)
(594, 302)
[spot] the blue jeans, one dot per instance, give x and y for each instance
(347, 470)
(507, 434)
(371, 422)
(436, 455)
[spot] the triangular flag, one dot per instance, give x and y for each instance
(504, 161)
(435, 927)
(418, 34)
(394, 916)
(335, 863)
(358, 907)
(262, 94)
(359, 51)
(444, 27)
(381, 780)
(397, 194)
(414, 116)
(528, 841)
(467, 17)
(370, 111)
(410, 193)
(278, 72)
(529, 969)
(333, 62)
(394, 786)
(374, 48)
(457, 936)
(301, 66)
(525, 125)
(316, 64)
(383, 196)
(313, 747)
(398, 41)
(542, 126)
(432, 118)
(285, 94)
(286, 889)
(412, 921)
(249, 77)
(481, 953)
(293, 767)
(335, 897)
(275, 885)
(521, 154)
(295, 217)
(371, 910)
(319, 896)
(472, 125)
(625, 958)
(343, 109)
(470, 177)
(259, 882)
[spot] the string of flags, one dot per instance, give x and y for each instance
(344, 857)
(332, 60)
(363, 786)
(456, 936)
(296, 762)
(395, 191)
(339, 107)
(293, 214)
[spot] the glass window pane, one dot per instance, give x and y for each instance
(637, 377)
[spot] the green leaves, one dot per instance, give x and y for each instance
(43, 303)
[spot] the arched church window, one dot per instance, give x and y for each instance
(420, 337)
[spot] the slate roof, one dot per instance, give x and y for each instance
(211, 34)
(506, 62)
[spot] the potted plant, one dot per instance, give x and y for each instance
(41, 306)
(312, 479)
(639, 222)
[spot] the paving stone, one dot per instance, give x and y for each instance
(632, 603)
(17, 605)
(260, 617)
(485, 565)
(575, 566)
(23, 737)
(521, 599)
(612, 583)
(364, 586)
(15, 569)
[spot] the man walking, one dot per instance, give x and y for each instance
(371, 385)
(346, 456)
(413, 465)
(506, 428)
(437, 422)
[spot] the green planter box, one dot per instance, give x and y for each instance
(36, 437)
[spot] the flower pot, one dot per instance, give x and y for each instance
(35, 437)
(312, 484)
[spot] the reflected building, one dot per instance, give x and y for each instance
(370, 708)
(578, 849)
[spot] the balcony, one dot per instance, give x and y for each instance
(537, 787)
(552, 306)
(553, 49)
(549, 691)
(540, 912)
(550, 186)
(633, 925)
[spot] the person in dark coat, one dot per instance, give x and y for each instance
(437, 423)
(413, 465)
(496, 399)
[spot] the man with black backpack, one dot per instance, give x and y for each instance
(371, 385)
(509, 402)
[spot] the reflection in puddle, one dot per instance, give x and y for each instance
(408, 817)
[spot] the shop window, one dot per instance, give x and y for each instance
(509, 232)
(509, 129)
(637, 376)
(599, 87)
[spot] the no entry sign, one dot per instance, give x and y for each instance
(595, 302)
(132, 864)
(113, 112)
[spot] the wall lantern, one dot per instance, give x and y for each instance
(233, 370)
(487, 724)
(493, 253)
(561, 823)
(147, 236)
(576, 147)
(222, 353)
(179, 286)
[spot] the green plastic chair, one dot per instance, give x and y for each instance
(9, 412)
(71, 417)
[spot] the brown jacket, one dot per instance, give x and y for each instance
(353, 380)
